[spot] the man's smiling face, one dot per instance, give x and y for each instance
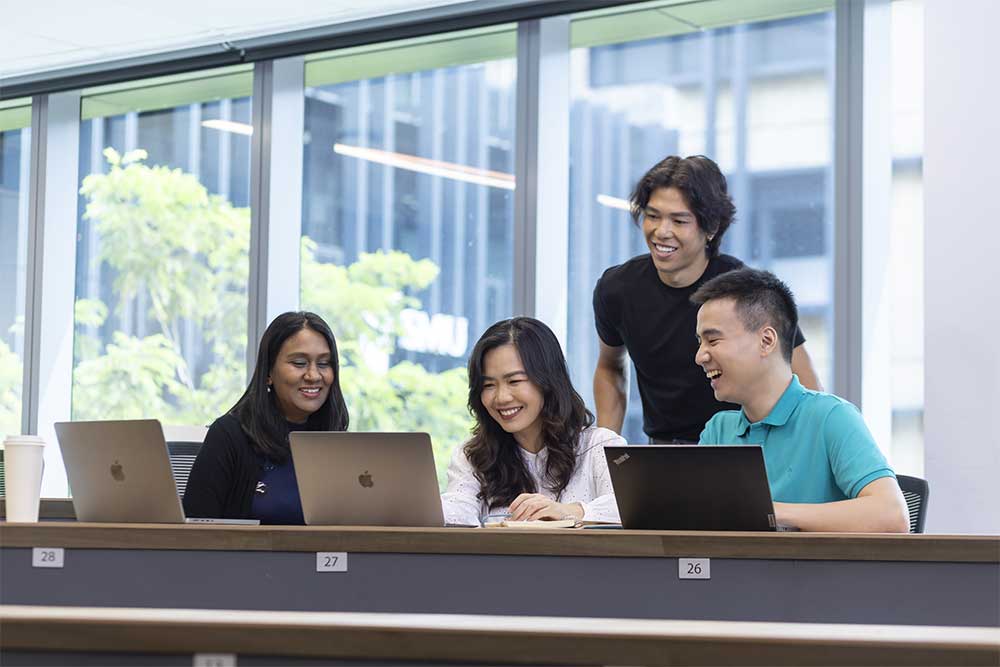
(676, 241)
(730, 355)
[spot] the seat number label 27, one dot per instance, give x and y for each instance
(331, 561)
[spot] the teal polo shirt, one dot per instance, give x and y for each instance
(817, 448)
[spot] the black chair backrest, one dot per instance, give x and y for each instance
(182, 456)
(915, 492)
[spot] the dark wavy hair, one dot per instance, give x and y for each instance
(258, 411)
(703, 186)
(761, 298)
(494, 454)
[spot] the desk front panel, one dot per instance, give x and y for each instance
(383, 576)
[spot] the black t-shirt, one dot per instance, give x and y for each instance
(656, 324)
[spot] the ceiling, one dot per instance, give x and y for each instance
(49, 35)
(55, 34)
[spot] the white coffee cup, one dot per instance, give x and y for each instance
(23, 460)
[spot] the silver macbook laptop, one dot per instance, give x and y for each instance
(119, 472)
(370, 479)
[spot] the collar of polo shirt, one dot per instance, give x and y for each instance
(781, 411)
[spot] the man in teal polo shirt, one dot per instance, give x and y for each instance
(825, 470)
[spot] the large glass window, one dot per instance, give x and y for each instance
(755, 96)
(906, 252)
(15, 156)
(163, 248)
(407, 231)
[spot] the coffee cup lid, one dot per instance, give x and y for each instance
(24, 440)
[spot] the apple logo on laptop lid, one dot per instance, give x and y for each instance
(117, 472)
(365, 480)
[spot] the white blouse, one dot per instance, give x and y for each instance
(589, 485)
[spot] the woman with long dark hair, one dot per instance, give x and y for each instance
(244, 469)
(534, 452)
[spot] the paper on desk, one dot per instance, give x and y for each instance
(507, 523)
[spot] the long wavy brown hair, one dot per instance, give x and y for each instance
(494, 454)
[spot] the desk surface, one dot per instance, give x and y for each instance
(608, 543)
(501, 639)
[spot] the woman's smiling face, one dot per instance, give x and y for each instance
(509, 395)
(302, 375)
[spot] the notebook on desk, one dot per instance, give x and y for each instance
(119, 472)
(691, 487)
(367, 479)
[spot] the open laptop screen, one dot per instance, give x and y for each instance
(691, 487)
(373, 479)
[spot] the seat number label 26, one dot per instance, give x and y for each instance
(694, 568)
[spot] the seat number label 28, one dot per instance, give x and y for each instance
(47, 557)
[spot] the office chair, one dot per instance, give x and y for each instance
(183, 443)
(915, 492)
(182, 456)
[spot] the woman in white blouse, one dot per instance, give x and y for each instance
(534, 450)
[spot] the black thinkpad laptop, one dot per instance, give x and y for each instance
(691, 487)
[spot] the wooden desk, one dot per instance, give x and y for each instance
(37, 634)
(779, 577)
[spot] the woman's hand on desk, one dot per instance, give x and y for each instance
(534, 506)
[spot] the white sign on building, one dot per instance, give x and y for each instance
(437, 334)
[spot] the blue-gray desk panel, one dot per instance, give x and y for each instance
(830, 591)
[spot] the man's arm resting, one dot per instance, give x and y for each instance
(879, 508)
(611, 386)
(802, 366)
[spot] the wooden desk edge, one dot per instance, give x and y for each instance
(619, 543)
(475, 638)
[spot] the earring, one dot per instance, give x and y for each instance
(269, 389)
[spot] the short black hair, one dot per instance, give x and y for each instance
(760, 299)
(703, 186)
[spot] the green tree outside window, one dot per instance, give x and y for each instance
(184, 252)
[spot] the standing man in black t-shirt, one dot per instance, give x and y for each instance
(643, 307)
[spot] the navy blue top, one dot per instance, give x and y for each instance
(276, 499)
(226, 473)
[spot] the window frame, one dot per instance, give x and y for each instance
(276, 188)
